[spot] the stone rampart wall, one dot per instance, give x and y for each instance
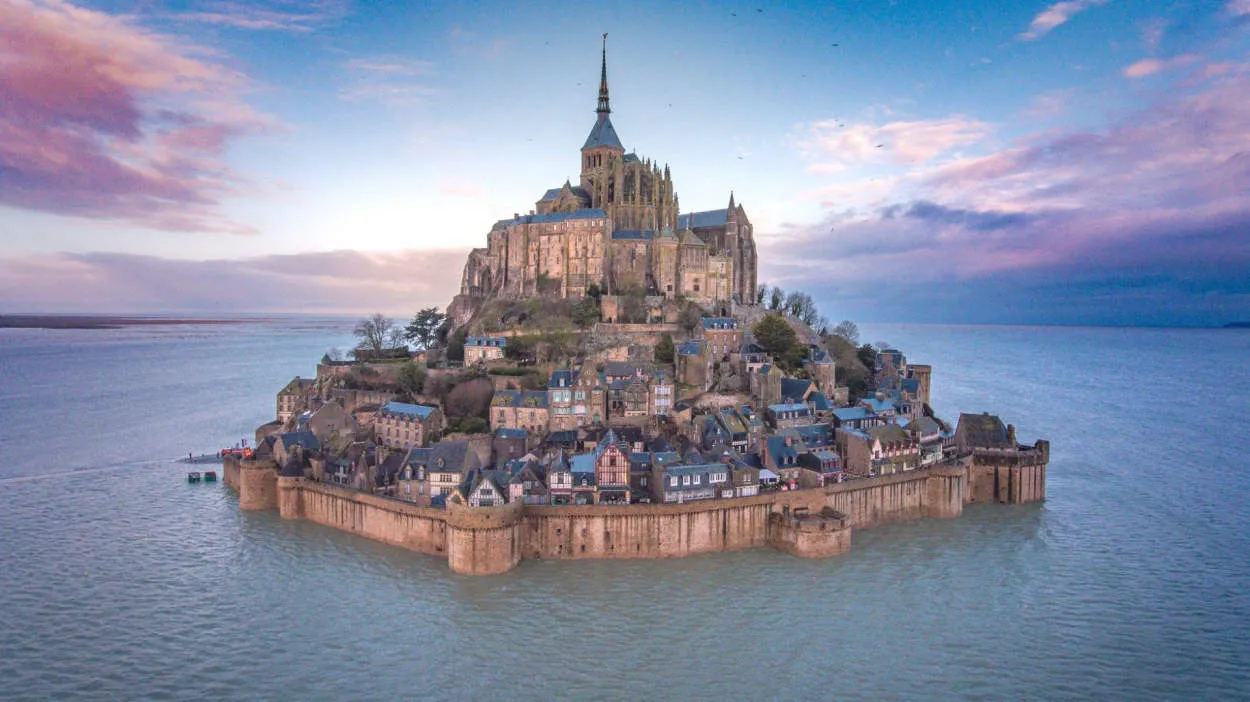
(487, 540)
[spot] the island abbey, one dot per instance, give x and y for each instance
(619, 227)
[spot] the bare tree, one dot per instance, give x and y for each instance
(847, 330)
(374, 332)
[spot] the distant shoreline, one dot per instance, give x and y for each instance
(91, 322)
(1237, 325)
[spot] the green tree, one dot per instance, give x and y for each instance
(775, 335)
(594, 291)
(411, 380)
(585, 312)
(664, 350)
(422, 331)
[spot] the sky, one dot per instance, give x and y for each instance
(949, 161)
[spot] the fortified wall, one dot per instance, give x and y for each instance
(813, 522)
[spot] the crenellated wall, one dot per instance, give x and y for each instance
(814, 522)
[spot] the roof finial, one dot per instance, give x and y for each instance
(731, 199)
(603, 108)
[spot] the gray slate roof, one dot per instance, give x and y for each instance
(603, 134)
(699, 220)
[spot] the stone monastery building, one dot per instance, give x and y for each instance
(619, 227)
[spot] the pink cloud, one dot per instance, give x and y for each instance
(278, 15)
(396, 282)
(1055, 15)
(1150, 66)
(104, 119)
(832, 145)
(1239, 8)
(1169, 185)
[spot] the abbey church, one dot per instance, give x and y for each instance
(619, 227)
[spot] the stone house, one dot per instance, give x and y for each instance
(794, 414)
(412, 483)
(821, 368)
(526, 482)
(449, 463)
(692, 365)
(575, 398)
(929, 433)
(294, 444)
(859, 418)
(483, 349)
(737, 429)
(520, 409)
(507, 444)
(688, 483)
(720, 335)
(294, 398)
(983, 431)
(484, 488)
(796, 390)
(882, 450)
(625, 370)
(751, 357)
(328, 420)
(401, 425)
(766, 384)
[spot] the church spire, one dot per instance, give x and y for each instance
(603, 108)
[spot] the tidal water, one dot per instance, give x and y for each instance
(118, 580)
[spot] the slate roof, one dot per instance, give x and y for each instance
(778, 449)
(820, 402)
(587, 213)
(888, 433)
(418, 411)
(794, 388)
(850, 414)
(300, 438)
(689, 348)
(560, 379)
(790, 407)
(495, 341)
(506, 433)
(707, 218)
(815, 434)
(635, 234)
(984, 431)
(553, 193)
(452, 454)
(718, 322)
(603, 134)
(625, 368)
(879, 406)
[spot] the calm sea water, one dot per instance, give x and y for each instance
(120, 580)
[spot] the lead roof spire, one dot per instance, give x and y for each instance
(603, 108)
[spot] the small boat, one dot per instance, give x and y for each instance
(193, 477)
(210, 476)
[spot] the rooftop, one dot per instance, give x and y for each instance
(419, 411)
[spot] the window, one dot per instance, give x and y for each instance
(685, 480)
(672, 481)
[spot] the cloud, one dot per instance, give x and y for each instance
(1048, 104)
(322, 282)
(394, 80)
(1239, 8)
(1055, 15)
(103, 119)
(833, 145)
(1150, 66)
(273, 15)
(1164, 191)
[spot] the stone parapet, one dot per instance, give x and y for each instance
(258, 484)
